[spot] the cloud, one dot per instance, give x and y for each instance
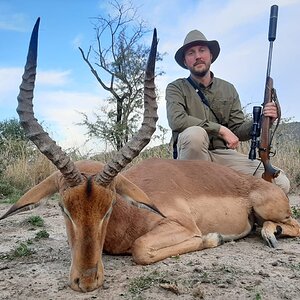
(60, 111)
(54, 78)
(57, 108)
(10, 78)
(77, 41)
(13, 22)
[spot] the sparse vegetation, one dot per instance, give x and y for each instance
(22, 250)
(296, 211)
(258, 296)
(42, 234)
(286, 148)
(139, 284)
(25, 166)
(35, 221)
(296, 267)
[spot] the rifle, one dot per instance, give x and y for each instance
(262, 125)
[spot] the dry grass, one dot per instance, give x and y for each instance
(286, 157)
(24, 172)
(31, 167)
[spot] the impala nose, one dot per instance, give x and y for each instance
(88, 281)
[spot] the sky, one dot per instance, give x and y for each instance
(65, 87)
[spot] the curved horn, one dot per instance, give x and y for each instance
(33, 129)
(132, 149)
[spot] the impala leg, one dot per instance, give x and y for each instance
(271, 230)
(170, 239)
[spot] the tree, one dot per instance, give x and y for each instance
(118, 60)
(13, 142)
(11, 129)
(12, 137)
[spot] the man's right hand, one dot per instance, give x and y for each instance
(232, 141)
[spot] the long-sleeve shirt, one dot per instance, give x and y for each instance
(185, 109)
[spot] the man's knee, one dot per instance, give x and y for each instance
(283, 182)
(193, 143)
(194, 137)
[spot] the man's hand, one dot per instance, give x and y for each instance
(270, 110)
(232, 141)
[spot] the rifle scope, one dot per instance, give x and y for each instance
(255, 133)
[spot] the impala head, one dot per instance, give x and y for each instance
(87, 195)
(86, 209)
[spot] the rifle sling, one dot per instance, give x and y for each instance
(202, 97)
(275, 100)
(204, 101)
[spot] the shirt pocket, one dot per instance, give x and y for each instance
(222, 109)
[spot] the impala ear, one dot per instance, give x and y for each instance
(127, 189)
(133, 194)
(32, 198)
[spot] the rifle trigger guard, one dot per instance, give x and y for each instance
(262, 149)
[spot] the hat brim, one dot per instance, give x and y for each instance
(213, 46)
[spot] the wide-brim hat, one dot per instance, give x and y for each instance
(193, 38)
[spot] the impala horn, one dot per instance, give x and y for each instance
(34, 131)
(132, 149)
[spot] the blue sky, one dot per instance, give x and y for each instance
(65, 86)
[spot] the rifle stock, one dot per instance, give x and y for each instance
(265, 145)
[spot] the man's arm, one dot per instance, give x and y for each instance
(180, 116)
(238, 124)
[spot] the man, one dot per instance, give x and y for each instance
(204, 112)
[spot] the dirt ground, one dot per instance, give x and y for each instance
(245, 269)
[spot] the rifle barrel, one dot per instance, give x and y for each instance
(273, 23)
(272, 34)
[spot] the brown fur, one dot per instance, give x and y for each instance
(199, 205)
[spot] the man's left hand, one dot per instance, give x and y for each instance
(270, 110)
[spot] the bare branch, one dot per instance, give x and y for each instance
(120, 56)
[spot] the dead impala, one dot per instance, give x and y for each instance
(154, 210)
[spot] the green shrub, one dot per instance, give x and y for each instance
(6, 189)
(42, 234)
(22, 250)
(35, 221)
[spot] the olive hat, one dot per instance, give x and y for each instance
(193, 38)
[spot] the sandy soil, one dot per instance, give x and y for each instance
(246, 269)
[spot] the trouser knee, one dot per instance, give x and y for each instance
(193, 143)
(194, 136)
(283, 182)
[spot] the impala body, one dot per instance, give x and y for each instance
(153, 210)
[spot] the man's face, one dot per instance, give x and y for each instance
(198, 60)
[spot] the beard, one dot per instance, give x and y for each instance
(202, 72)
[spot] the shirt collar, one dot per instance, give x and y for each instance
(200, 85)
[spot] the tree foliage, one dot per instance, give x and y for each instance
(12, 137)
(118, 60)
(12, 141)
(11, 129)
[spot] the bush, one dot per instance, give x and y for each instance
(6, 188)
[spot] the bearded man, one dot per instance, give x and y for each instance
(205, 114)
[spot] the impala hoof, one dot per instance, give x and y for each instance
(269, 238)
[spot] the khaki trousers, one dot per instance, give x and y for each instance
(193, 143)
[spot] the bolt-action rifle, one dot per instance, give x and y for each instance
(261, 128)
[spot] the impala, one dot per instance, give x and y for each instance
(153, 210)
